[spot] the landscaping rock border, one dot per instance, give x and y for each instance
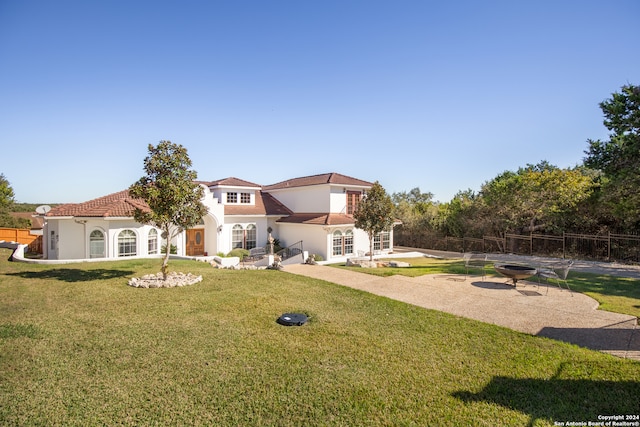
(174, 279)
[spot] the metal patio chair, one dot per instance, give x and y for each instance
(558, 271)
(475, 261)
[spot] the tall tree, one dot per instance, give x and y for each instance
(461, 216)
(374, 213)
(170, 191)
(534, 197)
(6, 193)
(619, 157)
(7, 202)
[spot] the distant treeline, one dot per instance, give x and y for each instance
(598, 197)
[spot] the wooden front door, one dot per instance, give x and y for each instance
(195, 242)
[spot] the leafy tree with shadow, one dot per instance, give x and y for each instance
(374, 213)
(169, 189)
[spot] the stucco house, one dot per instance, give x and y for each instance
(313, 212)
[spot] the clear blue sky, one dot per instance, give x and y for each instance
(437, 95)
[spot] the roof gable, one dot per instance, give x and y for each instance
(265, 204)
(325, 178)
(232, 182)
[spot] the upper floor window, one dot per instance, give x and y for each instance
(244, 198)
(353, 198)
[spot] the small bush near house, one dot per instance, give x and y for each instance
(240, 253)
(173, 249)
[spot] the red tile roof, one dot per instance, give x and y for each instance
(318, 219)
(118, 204)
(326, 178)
(266, 204)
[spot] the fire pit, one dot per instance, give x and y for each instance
(515, 272)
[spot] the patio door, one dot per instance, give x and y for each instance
(195, 242)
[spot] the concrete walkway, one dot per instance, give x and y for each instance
(562, 315)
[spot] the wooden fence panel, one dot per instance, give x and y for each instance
(22, 236)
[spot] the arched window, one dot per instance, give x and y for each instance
(96, 244)
(243, 239)
(348, 242)
(237, 237)
(153, 241)
(342, 243)
(127, 243)
(250, 237)
(337, 243)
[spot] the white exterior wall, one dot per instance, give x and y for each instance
(72, 237)
(338, 201)
(225, 236)
(72, 234)
(305, 199)
(317, 239)
(212, 222)
(314, 237)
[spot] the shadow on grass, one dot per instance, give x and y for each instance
(605, 285)
(73, 274)
(603, 339)
(561, 399)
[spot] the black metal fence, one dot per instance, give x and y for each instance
(608, 247)
(290, 251)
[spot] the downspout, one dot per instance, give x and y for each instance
(84, 226)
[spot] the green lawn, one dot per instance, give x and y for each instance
(80, 347)
(615, 294)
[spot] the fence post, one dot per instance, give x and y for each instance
(609, 245)
(564, 239)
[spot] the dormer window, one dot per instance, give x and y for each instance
(232, 198)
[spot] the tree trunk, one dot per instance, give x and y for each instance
(165, 260)
(370, 247)
(165, 263)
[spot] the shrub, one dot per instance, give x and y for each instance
(240, 253)
(173, 249)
